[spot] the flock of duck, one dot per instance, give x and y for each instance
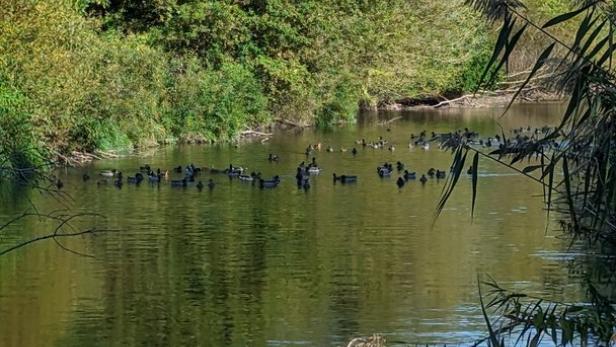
(190, 174)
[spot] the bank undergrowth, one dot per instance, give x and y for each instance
(103, 74)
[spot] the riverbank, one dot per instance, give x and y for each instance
(496, 98)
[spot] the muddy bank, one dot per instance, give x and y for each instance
(485, 99)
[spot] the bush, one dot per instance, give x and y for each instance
(216, 104)
(18, 148)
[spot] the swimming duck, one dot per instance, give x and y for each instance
(59, 184)
(354, 151)
(210, 184)
(440, 174)
(409, 175)
(146, 168)
(345, 178)
(423, 179)
(85, 177)
(399, 166)
(330, 149)
(108, 173)
(469, 171)
(431, 172)
(200, 186)
(384, 172)
(272, 157)
(136, 179)
(400, 182)
(313, 168)
(273, 183)
(178, 169)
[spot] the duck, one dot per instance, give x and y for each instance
(199, 186)
(440, 174)
(178, 169)
(343, 150)
(330, 149)
(391, 148)
(108, 173)
(469, 171)
(354, 151)
(345, 178)
(59, 184)
(384, 172)
(399, 166)
(234, 171)
(136, 179)
(85, 177)
(400, 182)
(431, 172)
(409, 175)
(313, 168)
(272, 157)
(273, 183)
(423, 179)
(211, 184)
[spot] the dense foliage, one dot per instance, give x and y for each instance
(109, 74)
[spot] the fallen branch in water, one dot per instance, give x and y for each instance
(288, 122)
(255, 133)
(448, 102)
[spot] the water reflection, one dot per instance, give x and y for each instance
(238, 266)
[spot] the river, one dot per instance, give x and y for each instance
(242, 266)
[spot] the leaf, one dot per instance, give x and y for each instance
(538, 65)
(458, 166)
(501, 42)
(531, 168)
(493, 338)
(474, 180)
(566, 16)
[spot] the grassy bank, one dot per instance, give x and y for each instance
(103, 74)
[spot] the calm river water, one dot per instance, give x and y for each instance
(240, 266)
